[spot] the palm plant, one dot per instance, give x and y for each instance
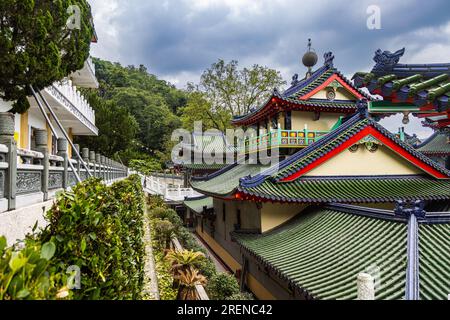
(184, 259)
(188, 280)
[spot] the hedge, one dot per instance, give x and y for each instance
(96, 228)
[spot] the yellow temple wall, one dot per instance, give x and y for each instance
(363, 162)
(275, 214)
(325, 123)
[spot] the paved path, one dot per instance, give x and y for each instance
(220, 267)
(151, 291)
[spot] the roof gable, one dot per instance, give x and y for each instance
(351, 132)
(367, 157)
(301, 95)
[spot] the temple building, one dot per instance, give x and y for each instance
(437, 147)
(422, 90)
(346, 197)
(69, 105)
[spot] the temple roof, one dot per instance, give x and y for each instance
(436, 145)
(287, 181)
(321, 251)
(299, 95)
(424, 85)
(225, 181)
(199, 203)
(352, 189)
(206, 144)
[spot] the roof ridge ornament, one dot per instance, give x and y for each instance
(294, 79)
(409, 207)
(386, 60)
(329, 57)
(362, 108)
(309, 59)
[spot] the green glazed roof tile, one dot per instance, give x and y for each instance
(197, 205)
(323, 251)
(353, 189)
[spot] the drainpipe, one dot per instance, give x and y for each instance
(53, 129)
(61, 128)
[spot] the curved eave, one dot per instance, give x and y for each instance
(246, 195)
(277, 104)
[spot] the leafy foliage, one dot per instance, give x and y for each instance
(28, 273)
(117, 127)
(199, 108)
(36, 47)
(235, 90)
(100, 230)
(222, 285)
(188, 279)
(165, 277)
(145, 167)
(184, 259)
(241, 296)
(96, 228)
(133, 99)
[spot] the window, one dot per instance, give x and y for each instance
(238, 218)
(288, 121)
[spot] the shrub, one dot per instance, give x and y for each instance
(163, 213)
(96, 228)
(222, 285)
(241, 296)
(155, 202)
(207, 268)
(100, 230)
(183, 260)
(28, 274)
(165, 278)
(164, 231)
(188, 279)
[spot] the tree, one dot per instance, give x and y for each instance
(188, 279)
(145, 167)
(36, 46)
(183, 260)
(199, 108)
(152, 102)
(117, 127)
(237, 90)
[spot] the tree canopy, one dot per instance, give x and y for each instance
(36, 46)
(134, 113)
(225, 91)
(237, 90)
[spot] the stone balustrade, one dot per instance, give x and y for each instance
(33, 176)
(73, 101)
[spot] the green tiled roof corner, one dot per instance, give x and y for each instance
(197, 205)
(227, 181)
(353, 189)
(437, 145)
(204, 166)
(323, 251)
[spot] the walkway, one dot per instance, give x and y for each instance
(220, 267)
(151, 291)
(170, 188)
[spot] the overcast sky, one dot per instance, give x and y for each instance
(178, 39)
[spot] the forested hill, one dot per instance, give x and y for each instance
(135, 111)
